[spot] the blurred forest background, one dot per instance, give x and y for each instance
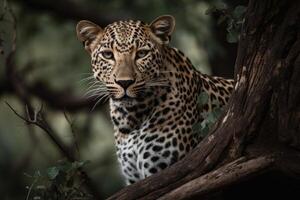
(48, 68)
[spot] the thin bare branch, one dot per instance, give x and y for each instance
(38, 120)
(73, 131)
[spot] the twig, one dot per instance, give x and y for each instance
(30, 188)
(39, 121)
(27, 158)
(75, 140)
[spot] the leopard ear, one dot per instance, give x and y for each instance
(162, 27)
(88, 33)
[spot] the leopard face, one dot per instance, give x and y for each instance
(126, 56)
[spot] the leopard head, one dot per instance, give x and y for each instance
(126, 56)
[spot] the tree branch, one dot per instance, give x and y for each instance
(67, 9)
(226, 175)
(59, 100)
(38, 120)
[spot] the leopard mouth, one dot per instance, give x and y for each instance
(119, 94)
(124, 98)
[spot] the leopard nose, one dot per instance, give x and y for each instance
(124, 83)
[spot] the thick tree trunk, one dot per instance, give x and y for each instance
(260, 130)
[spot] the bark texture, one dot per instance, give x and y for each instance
(261, 123)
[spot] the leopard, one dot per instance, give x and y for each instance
(152, 88)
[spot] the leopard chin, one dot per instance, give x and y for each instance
(125, 101)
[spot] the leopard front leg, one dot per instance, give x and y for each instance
(127, 157)
(156, 151)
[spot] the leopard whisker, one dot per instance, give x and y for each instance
(99, 100)
(95, 92)
(87, 79)
(95, 95)
(95, 85)
(97, 89)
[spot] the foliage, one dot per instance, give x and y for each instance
(61, 181)
(233, 18)
(209, 118)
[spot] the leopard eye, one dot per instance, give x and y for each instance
(107, 55)
(141, 53)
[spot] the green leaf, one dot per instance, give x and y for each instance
(210, 119)
(230, 25)
(216, 102)
(232, 37)
(37, 174)
(64, 166)
(196, 127)
(239, 12)
(217, 112)
(203, 98)
(221, 19)
(78, 164)
(204, 132)
(52, 172)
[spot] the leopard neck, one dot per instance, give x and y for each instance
(181, 70)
